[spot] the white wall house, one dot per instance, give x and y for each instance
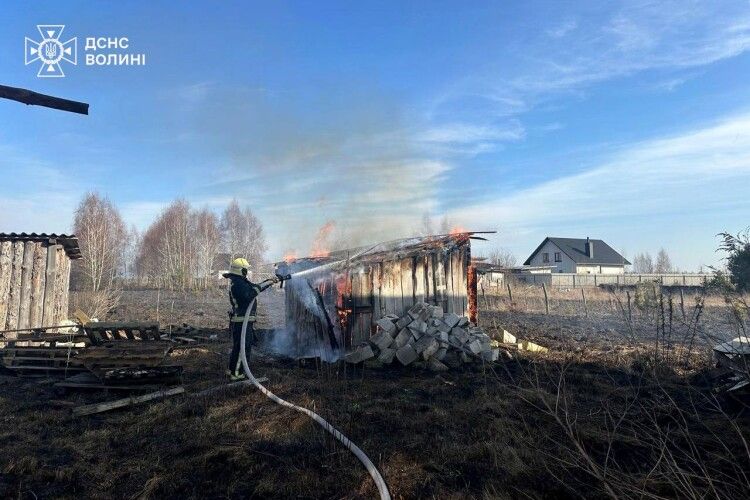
(577, 255)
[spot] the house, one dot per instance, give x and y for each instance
(35, 279)
(578, 255)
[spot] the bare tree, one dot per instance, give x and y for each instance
(242, 234)
(643, 263)
(102, 236)
(502, 257)
(663, 262)
(167, 252)
(133, 244)
(207, 238)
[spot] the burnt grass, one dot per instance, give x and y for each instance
(480, 432)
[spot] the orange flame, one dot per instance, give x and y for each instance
(290, 256)
(321, 246)
(458, 230)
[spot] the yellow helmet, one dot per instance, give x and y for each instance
(238, 265)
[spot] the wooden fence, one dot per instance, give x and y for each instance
(572, 280)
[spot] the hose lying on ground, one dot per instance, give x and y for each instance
(374, 473)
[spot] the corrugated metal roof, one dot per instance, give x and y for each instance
(68, 241)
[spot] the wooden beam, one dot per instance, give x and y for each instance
(36, 99)
(79, 411)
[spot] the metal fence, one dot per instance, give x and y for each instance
(572, 280)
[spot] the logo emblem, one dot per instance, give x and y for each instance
(50, 51)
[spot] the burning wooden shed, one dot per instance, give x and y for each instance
(334, 302)
(34, 279)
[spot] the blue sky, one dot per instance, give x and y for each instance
(625, 121)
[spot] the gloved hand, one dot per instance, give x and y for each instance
(275, 279)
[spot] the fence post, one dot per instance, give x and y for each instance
(546, 299)
(682, 304)
(510, 294)
(585, 306)
(630, 316)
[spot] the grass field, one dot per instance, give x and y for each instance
(608, 412)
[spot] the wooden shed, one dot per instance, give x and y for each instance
(34, 279)
(334, 302)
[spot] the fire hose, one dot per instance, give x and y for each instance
(374, 473)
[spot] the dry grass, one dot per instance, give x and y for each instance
(590, 422)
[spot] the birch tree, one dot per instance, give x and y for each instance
(102, 237)
(242, 234)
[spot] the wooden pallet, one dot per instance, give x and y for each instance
(123, 354)
(100, 332)
(41, 360)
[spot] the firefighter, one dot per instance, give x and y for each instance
(241, 293)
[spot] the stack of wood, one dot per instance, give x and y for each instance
(426, 336)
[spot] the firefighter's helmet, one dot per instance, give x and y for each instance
(239, 266)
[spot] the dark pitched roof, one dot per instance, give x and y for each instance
(68, 241)
(575, 248)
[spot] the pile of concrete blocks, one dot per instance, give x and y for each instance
(426, 336)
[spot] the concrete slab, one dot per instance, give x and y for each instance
(402, 338)
(406, 355)
(431, 349)
(451, 319)
(386, 325)
(382, 339)
(360, 354)
(387, 355)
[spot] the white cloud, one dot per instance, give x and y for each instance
(668, 36)
(695, 181)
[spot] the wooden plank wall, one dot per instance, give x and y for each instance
(438, 277)
(34, 284)
(387, 287)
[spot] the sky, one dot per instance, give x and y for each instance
(622, 121)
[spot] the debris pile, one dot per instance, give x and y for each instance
(733, 361)
(425, 335)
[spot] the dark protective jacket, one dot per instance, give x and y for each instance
(241, 293)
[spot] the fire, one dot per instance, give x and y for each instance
(458, 230)
(290, 256)
(321, 246)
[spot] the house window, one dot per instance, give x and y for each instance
(545, 257)
(558, 257)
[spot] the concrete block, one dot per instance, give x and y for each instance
(465, 358)
(451, 319)
(437, 366)
(443, 327)
(441, 353)
(463, 321)
(403, 322)
(386, 356)
(442, 337)
(382, 339)
(360, 354)
(508, 338)
(416, 310)
(418, 326)
(491, 355)
(422, 344)
(527, 345)
(402, 338)
(474, 346)
(386, 325)
(460, 335)
(437, 312)
(430, 350)
(452, 359)
(392, 317)
(406, 355)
